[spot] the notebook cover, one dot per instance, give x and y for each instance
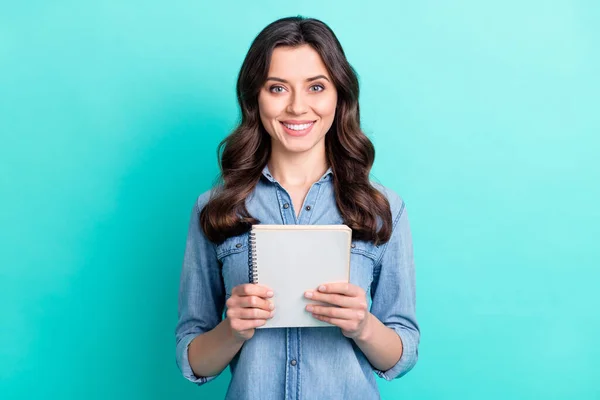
(291, 259)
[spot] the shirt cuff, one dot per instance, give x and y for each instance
(407, 360)
(183, 361)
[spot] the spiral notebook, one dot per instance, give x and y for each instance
(291, 259)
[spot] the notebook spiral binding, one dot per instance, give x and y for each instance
(252, 267)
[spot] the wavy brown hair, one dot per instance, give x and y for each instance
(244, 153)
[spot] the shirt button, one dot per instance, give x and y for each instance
(308, 208)
(238, 245)
(286, 205)
(293, 362)
(353, 245)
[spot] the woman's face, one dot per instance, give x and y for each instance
(298, 100)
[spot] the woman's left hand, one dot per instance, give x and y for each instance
(348, 309)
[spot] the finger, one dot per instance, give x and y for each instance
(249, 313)
(256, 322)
(346, 288)
(255, 302)
(337, 299)
(249, 302)
(251, 289)
(336, 312)
(241, 325)
(344, 324)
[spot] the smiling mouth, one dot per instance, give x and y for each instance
(297, 129)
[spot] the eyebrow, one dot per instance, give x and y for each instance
(273, 78)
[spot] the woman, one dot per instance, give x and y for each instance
(297, 157)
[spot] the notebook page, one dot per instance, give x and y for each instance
(293, 260)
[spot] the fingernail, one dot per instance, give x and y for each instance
(322, 288)
(308, 294)
(272, 313)
(271, 306)
(309, 308)
(270, 293)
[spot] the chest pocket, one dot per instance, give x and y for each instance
(362, 259)
(233, 257)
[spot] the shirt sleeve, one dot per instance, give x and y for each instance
(393, 294)
(201, 294)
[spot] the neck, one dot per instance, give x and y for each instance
(298, 169)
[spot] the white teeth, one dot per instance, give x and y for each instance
(298, 127)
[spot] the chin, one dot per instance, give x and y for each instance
(298, 148)
(301, 146)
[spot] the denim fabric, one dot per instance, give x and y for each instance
(299, 363)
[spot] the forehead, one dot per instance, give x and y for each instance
(296, 63)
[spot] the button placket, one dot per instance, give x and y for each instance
(309, 202)
(285, 205)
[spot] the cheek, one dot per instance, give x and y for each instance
(269, 108)
(325, 106)
(267, 114)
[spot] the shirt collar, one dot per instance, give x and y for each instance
(325, 177)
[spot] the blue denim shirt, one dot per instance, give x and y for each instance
(299, 363)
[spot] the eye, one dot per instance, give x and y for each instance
(275, 87)
(317, 86)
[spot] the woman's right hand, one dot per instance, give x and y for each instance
(248, 308)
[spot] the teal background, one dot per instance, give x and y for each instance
(485, 119)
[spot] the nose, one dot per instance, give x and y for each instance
(297, 104)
